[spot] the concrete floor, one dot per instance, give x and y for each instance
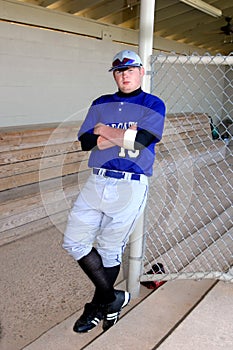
(209, 326)
(40, 286)
(180, 315)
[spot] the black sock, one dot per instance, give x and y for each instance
(111, 273)
(92, 265)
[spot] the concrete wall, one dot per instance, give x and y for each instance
(52, 76)
(49, 76)
(54, 64)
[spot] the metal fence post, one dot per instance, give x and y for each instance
(135, 258)
(145, 52)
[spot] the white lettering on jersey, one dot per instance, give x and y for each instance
(131, 154)
(123, 151)
(122, 125)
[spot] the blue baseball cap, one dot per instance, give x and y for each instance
(124, 59)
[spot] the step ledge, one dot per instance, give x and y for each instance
(147, 324)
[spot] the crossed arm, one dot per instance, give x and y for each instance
(106, 137)
(109, 137)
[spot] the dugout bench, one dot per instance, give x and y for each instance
(42, 168)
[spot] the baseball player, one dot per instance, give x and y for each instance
(121, 131)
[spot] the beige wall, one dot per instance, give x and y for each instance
(49, 76)
(52, 76)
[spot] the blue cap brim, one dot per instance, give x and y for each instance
(122, 66)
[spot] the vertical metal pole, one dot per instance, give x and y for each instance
(146, 33)
(145, 51)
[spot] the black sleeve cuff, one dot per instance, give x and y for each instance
(88, 141)
(144, 139)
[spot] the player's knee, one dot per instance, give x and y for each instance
(75, 249)
(110, 259)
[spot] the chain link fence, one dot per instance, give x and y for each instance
(189, 215)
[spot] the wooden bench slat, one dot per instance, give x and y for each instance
(44, 174)
(14, 156)
(45, 201)
(17, 193)
(42, 163)
(26, 138)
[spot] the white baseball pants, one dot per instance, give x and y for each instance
(104, 215)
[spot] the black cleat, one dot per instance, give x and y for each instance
(90, 318)
(112, 310)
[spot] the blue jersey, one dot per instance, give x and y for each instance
(145, 110)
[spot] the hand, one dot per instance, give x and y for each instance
(97, 128)
(133, 127)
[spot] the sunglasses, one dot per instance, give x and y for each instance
(125, 61)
